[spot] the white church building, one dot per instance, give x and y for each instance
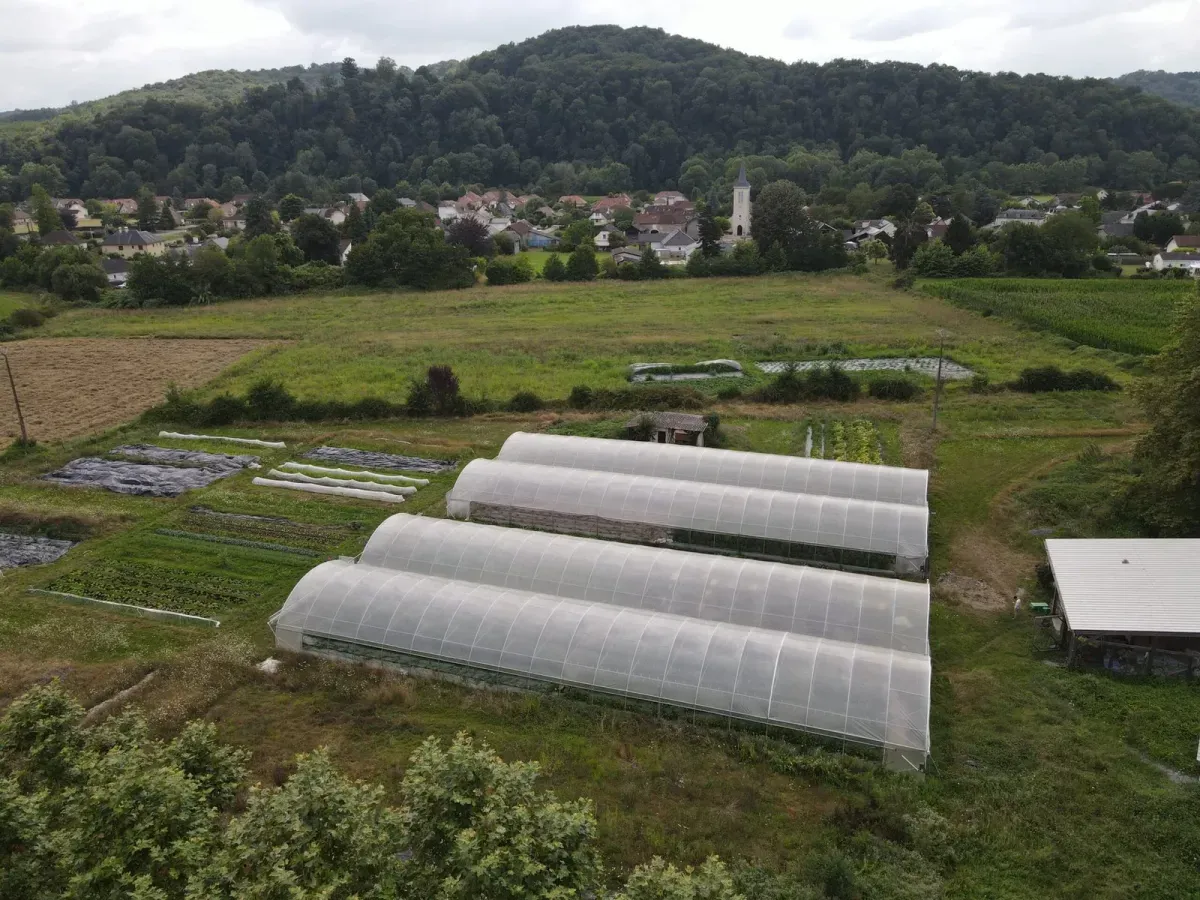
(740, 220)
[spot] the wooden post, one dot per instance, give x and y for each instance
(16, 400)
(1071, 651)
(937, 392)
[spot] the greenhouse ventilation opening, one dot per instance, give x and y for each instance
(766, 524)
(841, 656)
(793, 474)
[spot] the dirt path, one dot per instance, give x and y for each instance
(70, 387)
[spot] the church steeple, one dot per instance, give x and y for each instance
(740, 220)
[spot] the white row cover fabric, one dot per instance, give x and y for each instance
(862, 609)
(836, 522)
(854, 692)
(1128, 586)
(794, 474)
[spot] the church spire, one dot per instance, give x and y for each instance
(741, 179)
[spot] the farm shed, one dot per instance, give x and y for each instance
(1131, 602)
(671, 428)
(794, 474)
(846, 692)
(718, 518)
(861, 609)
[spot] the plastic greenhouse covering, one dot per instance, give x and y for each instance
(843, 690)
(794, 474)
(834, 522)
(863, 609)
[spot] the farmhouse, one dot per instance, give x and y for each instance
(61, 239)
(1019, 216)
(542, 239)
(132, 242)
(116, 271)
(1129, 603)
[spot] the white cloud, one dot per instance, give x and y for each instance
(55, 51)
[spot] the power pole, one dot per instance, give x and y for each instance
(937, 392)
(16, 400)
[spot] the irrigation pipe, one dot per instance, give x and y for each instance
(350, 473)
(343, 482)
(253, 442)
(336, 491)
(168, 614)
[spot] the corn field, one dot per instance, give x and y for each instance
(1113, 314)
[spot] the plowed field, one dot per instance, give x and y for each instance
(71, 387)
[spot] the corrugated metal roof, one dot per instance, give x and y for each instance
(1148, 586)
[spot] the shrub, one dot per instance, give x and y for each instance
(26, 317)
(822, 383)
(269, 401)
(554, 270)
(1051, 378)
(224, 409)
(933, 260)
(641, 430)
(525, 401)
(581, 397)
(904, 281)
(893, 387)
(507, 271)
(731, 392)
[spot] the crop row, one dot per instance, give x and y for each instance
(158, 587)
(1127, 316)
(267, 531)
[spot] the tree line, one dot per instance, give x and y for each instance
(602, 109)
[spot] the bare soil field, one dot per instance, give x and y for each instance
(71, 387)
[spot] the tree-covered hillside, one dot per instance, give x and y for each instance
(604, 108)
(1178, 87)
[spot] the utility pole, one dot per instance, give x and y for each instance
(16, 400)
(937, 392)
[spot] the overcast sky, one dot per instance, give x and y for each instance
(56, 51)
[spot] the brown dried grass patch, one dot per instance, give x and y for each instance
(71, 387)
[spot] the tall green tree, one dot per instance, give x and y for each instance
(148, 213)
(317, 238)
(44, 212)
(908, 237)
(259, 218)
(291, 207)
(355, 228)
(710, 232)
(778, 210)
(959, 236)
(582, 265)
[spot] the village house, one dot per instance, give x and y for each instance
(609, 205)
(663, 220)
(671, 427)
(1189, 243)
(538, 239)
(344, 248)
(676, 246)
(1189, 262)
(131, 242)
(125, 206)
(116, 271)
(669, 198)
(520, 230)
(598, 219)
(626, 255)
(1010, 216)
(236, 222)
(334, 214)
(61, 239)
(23, 223)
(572, 200)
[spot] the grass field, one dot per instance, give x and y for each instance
(550, 337)
(1043, 782)
(1126, 316)
(11, 301)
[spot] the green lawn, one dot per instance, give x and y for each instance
(1042, 781)
(11, 301)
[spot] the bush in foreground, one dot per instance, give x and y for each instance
(1045, 379)
(108, 811)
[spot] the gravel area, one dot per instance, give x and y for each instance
(922, 365)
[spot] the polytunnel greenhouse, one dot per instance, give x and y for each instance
(715, 518)
(794, 474)
(847, 692)
(824, 603)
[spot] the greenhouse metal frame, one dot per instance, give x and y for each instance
(793, 474)
(768, 524)
(848, 692)
(824, 603)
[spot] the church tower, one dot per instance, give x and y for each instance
(740, 220)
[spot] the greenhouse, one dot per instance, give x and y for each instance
(863, 609)
(715, 518)
(794, 474)
(847, 692)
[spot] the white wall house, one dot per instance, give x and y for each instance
(1187, 261)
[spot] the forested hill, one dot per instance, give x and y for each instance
(1178, 87)
(618, 109)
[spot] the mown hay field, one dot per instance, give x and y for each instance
(73, 387)
(1129, 316)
